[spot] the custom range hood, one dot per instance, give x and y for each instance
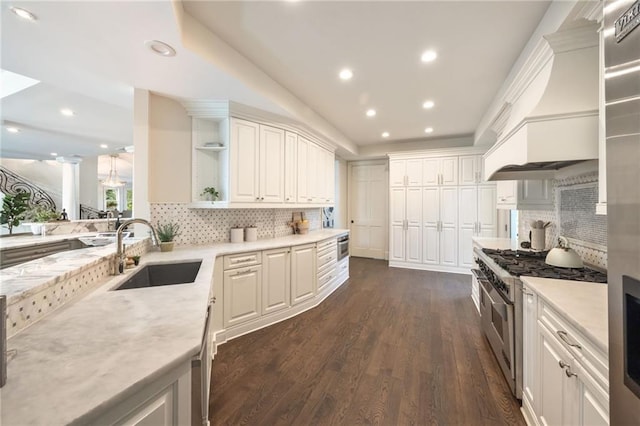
(551, 120)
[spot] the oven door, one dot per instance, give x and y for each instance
(343, 247)
(497, 324)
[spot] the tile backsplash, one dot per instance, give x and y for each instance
(205, 226)
(574, 216)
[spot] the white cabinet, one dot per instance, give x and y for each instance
(290, 167)
(257, 158)
(276, 280)
(405, 172)
(524, 195)
(303, 273)
(242, 295)
(440, 171)
(406, 218)
(316, 173)
(327, 252)
(471, 169)
(478, 217)
(563, 382)
(327, 177)
(440, 225)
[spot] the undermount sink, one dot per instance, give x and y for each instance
(102, 239)
(162, 274)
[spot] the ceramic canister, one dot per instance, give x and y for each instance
(538, 237)
(237, 235)
(251, 234)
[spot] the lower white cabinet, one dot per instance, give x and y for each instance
(276, 280)
(242, 295)
(303, 273)
(157, 412)
(559, 385)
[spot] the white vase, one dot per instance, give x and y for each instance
(36, 228)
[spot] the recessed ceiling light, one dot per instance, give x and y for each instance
(429, 56)
(67, 112)
(54, 154)
(346, 74)
(428, 130)
(161, 48)
(12, 129)
(428, 104)
(24, 13)
(371, 112)
(385, 134)
(104, 145)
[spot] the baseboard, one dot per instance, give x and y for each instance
(224, 335)
(436, 268)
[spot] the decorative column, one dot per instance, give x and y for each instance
(70, 186)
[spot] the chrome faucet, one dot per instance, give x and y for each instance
(109, 214)
(120, 256)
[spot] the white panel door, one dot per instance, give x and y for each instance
(368, 210)
(431, 206)
(302, 171)
(157, 412)
(242, 295)
(397, 243)
(303, 273)
(449, 207)
(468, 169)
(430, 245)
(290, 167)
(430, 171)
(413, 208)
(465, 247)
(530, 367)
(593, 401)
(272, 168)
(487, 212)
(244, 161)
(276, 280)
(468, 211)
(449, 171)
(397, 172)
(448, 246)
(555, 397)
(414, 172)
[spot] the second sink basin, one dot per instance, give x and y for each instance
(162, 274)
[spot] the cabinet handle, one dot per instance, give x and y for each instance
(309, 199)
(242, 259)
(261, 198)
(244, 272)
(525, 292)
(257, 198)
(570, 373)
(288, 199)
(565, 338)
(214, 299)
(563, 364)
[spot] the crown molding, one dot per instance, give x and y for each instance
(580, 37)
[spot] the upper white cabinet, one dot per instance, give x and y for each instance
(257, 158)
(440, 171)
(405, 172)
(316, 173)
(209, 140)
(524, 195)
(290, 166)
(471, 169)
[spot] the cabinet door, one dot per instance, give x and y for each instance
(449, 207)
(303, 273)
(530, 367)
(157, 412)
(449, 171)
(593, 401)
(272, 167)
(313, 180)
(242, 295)
(535, 193)
(276, 282)
(487, 213)
(290, 167)
(468, 170)
(468, 211)
(244, 161)
(414, 172)
(414, 244)
(465, 247)
(414, 224)
(430, 245)
(556, 397)
(397, 243)
(302, 170)
(330, 177)
(430, 171)
(431, 225)
(397, 172)
(506, 193)
(448, 246)
(397, 216)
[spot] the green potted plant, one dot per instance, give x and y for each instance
(38, 215)
(166, 233)
(210, 193)
(13, 209)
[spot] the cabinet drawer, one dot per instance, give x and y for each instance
(326, 267)
(327, 258)
(326, 279)
(343, 267)
(587, 353)
(242, 259)
(327, 244)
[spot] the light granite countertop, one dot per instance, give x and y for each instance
(107, 346)
(584, 304)
(27, 240)
(497, 243)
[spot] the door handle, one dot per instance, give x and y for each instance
(565, 338)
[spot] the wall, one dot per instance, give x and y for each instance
(169, 151)
(341, 196)
(574, 216)
(206, 226)
(90, 189)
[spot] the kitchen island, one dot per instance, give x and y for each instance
(93, 355)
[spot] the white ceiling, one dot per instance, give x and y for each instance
(93, 52)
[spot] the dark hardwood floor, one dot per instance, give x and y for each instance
(390, 347)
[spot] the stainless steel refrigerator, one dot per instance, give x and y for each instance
(622, 94)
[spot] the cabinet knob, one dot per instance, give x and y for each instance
(257, 198)
(261, 198)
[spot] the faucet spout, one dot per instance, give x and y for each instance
(109, 215)
(120, 255)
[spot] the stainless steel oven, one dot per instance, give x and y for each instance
(343, 247)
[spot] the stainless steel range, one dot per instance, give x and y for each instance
(501, 301)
